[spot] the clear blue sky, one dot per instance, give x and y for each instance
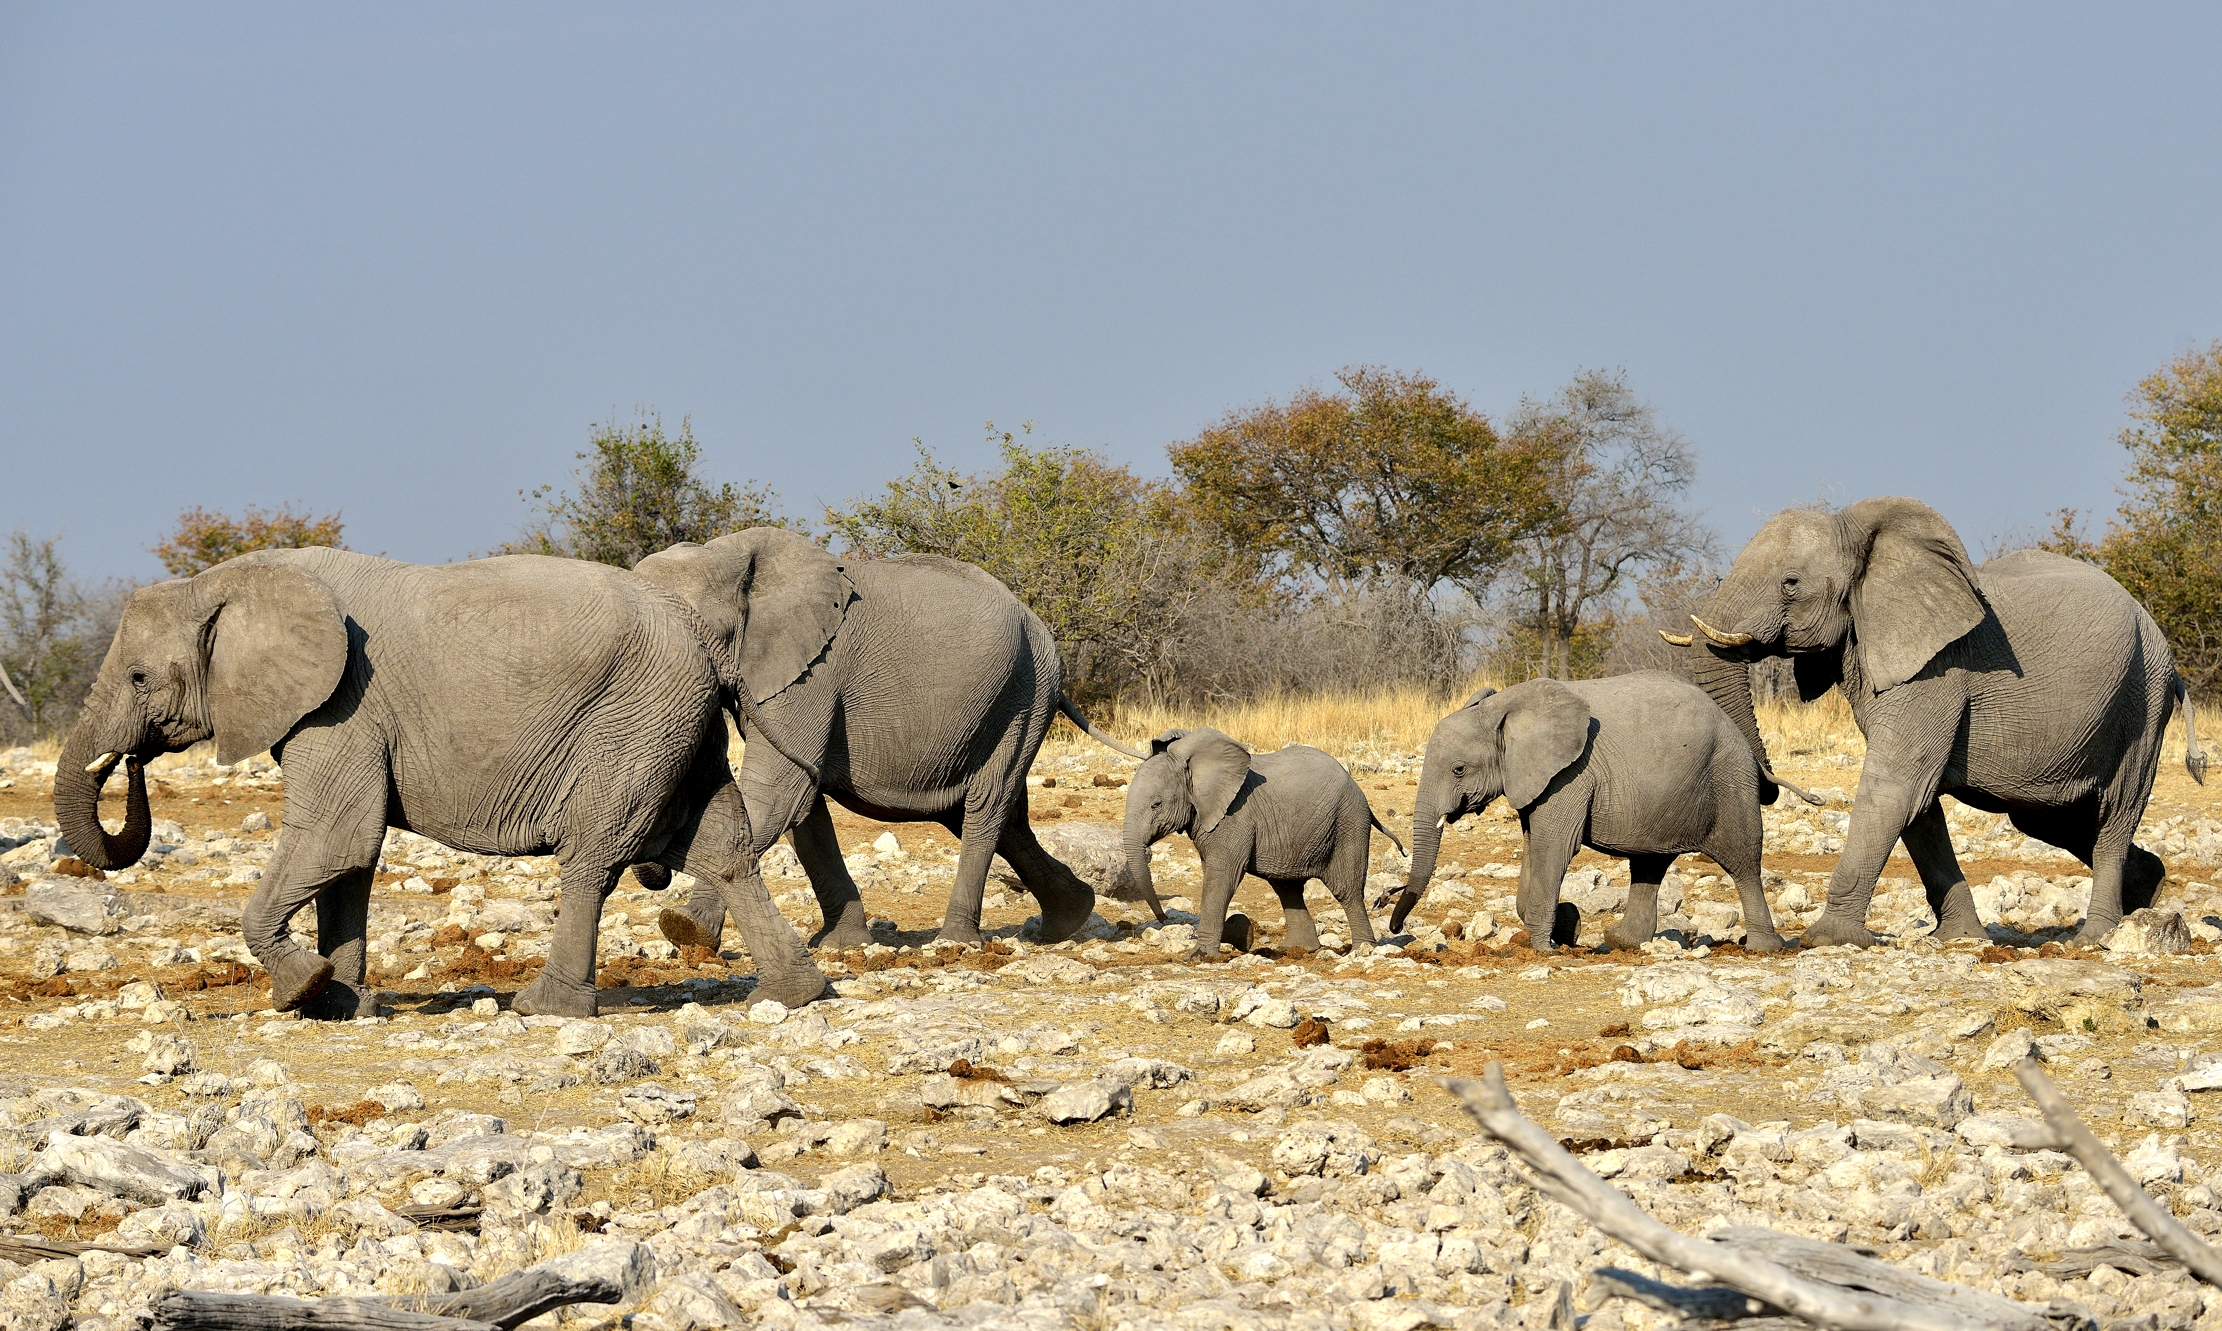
(395, 259)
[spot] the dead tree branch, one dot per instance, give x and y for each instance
(2070, 1135)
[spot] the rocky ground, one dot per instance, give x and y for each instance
(1093, 1134)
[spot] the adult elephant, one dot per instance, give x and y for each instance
(918, 686)
(513, 706)
(2032, 686)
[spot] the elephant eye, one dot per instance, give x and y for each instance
(1458, 769)
(1790, 584)
(138, 679)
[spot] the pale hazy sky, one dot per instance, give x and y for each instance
(395, 259)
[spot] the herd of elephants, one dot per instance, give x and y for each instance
(527, 705)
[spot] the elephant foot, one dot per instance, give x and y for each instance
(549, 997)
(1763, 940)
(846, 927)
(298, 978)
(1237, 931)
(2095, 929)
(797, 989)
(963, 935)
(342, 1002)
(1830, 931)
(1623, 938)
(683, 930)
(1958, 925)
(1566, 924)
(1063, 914)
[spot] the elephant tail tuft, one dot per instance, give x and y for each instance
(1087, 727)
(2194, 758)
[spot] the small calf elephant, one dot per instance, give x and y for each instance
(1643, 766)
(1288, 817)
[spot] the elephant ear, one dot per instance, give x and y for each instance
(1167, 740)
(1915, 594)
(1546, 728)
(277, 648)
(1485, 693)
(792, 597)
(1217, 767)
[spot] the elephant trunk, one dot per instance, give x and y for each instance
(1427, 841)
(78, 778)
(1724, 672)
(1135, 877)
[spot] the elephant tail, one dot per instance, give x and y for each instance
(1389, 834)
(2194, 758)
(1072, 714)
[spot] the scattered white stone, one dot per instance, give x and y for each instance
(767, 1012)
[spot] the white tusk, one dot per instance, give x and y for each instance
(103, 762)
(1720, 638)
(1442, 821)
(1678, 639)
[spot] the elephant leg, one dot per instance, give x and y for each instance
(771, 806)
(1554, 834)
(342, 934)
(1066, 901)
(1221, 878)
(1296, 918)
(1742, 864)
(311, 856)
(2124, 877)
(840, 904)
(565, 986)
(1929, 842)
(960, 923)
(1639, 923)
(1893, 788)
(722, 853)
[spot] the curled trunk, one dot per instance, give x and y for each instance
(1137, 872)
(77, 806)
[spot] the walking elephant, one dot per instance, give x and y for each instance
(920, 689)
(1642, 766)
(514, 706)
(2032, 686)
(1287, 817)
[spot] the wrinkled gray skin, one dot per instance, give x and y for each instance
(1642, 766)
(513, 706)
(918, 686)
(2033, 686)
(1288, 817)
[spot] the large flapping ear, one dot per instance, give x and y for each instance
(1915, 593)
(1217, 767)
(1546, 727)
(277, 648)
(792, 597)
(1484, 693)
(1167, 740)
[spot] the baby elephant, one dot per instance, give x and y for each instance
(1287, 817)
(1643, 766)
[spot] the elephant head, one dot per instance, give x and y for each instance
(1187, 784)
(241, 652)
(1885, 578)
(771, 599)
(1514, 744)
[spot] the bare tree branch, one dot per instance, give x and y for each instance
(1561, 1177)
(2070, 1135)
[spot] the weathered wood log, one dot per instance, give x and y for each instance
(2138, 1259)
(2070, 1135)
(609, 1273)
(463, 1216)
(23, 1248)
(517, 1298)
(1561, 1177)
(1851, 1267)
(200, 1310)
